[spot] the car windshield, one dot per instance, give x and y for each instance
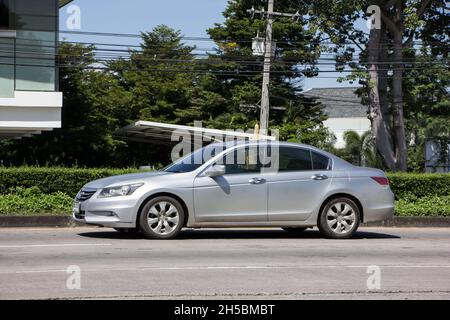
(195, 159)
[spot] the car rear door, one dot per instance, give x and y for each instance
(297, 189)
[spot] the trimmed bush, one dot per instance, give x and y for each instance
(32, 201)
(51, 180)
(425, 206)
(419, 185)
(70, 181)
(34, 190)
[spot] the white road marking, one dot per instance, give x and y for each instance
(56, 245)
(222, 268)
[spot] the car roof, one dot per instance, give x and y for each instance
(337, 162)
(233, 143)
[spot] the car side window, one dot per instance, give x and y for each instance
(320, 162)
(294, 159)
(241, 161)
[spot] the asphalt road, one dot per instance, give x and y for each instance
(240, 264)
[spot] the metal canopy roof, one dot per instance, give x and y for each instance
(62, 3)
(161, 133)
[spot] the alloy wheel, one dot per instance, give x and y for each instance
(341, 217)
(163, 218)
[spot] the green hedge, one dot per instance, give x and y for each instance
(419, 185)
(33, 190)
(69, 181)
(424, 206)
(51, 180)
(32, 201)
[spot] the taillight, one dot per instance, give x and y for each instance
(381, 180)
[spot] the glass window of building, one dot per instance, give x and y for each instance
(4, 14)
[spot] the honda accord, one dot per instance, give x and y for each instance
(241, 184)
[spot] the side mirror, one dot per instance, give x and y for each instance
(215, 171)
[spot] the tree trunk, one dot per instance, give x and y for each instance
(377, 115)
(401, 153)
(383, 83)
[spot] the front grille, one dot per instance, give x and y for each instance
(85, 194)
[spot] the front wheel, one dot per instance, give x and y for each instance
(339, 219)
(162, 218)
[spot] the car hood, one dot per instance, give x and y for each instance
(123, 179)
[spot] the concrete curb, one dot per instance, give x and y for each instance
(412, 222)
(67, 221)
(37, 221)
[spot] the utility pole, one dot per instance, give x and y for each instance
(265, 102)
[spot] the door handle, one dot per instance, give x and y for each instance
(256, 181)
(319, 177)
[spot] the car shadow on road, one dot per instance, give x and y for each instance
(236, 234)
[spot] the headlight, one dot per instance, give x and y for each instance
(119, 191)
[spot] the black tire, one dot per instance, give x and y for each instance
(294, 230)
(149, 231)
(331, 231)
(127, 230)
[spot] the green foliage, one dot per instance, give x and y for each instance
(428, 112)
(32, 201)
(51, 180)
(418, 185)
(425, 206)
(33, 190)
(70, 180)
(297, 118)
(425, 77)
(359, 150)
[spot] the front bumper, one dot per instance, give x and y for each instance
(117, 212)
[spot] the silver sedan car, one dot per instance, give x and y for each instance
(247, 184)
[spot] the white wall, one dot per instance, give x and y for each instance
(339, 125)
(30, 111)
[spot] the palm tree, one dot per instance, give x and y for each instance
(360, 150)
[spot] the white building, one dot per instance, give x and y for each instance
(344, 109)
(29, 97)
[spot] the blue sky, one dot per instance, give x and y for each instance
(192, 17)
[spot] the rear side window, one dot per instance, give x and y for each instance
(294, 159)
(320, 162)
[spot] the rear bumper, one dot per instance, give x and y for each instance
(380, 206)
(379, 214)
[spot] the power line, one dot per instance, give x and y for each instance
(135, 56)
(237, 73)
(193, 38)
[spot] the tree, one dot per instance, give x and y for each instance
(165, 80)
(382, 59)
(160, 82)
(89, 114)
(359, 150)
(428, 112)
(240, 75)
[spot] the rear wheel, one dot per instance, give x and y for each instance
(339, 218)
(162, 218)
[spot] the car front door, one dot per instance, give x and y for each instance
(297, 189)
(240, 195)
